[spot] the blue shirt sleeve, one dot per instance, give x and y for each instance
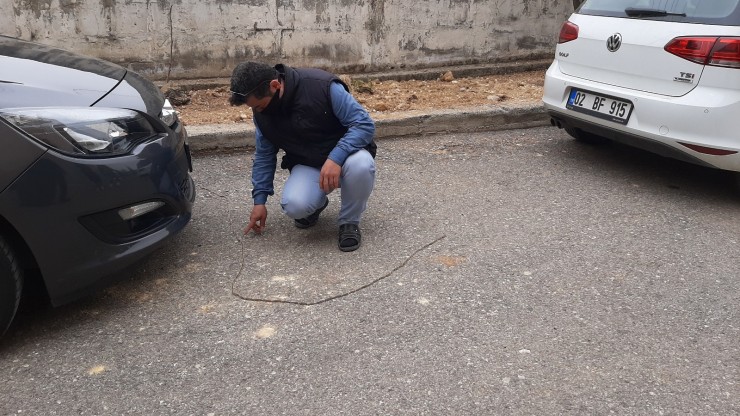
(263, 168)
(353, 116)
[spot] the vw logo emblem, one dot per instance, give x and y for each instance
(614, 42)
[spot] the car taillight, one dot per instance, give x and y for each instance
(713, 51)
(568, 32)
(726, 53)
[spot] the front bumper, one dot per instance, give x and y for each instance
(60, 203)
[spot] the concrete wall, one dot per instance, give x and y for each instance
(178, 39)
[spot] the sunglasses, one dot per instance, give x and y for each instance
(242, 97)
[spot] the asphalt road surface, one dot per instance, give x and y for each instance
(516, 272)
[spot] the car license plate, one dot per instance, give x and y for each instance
(599, 105)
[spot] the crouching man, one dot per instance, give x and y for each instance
(327, 137)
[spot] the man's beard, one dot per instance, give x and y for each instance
(274, 107)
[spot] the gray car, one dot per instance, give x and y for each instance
(94, 174)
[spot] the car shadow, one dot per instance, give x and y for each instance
(658, 173)
(37, 318)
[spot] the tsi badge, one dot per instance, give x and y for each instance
(686, 77)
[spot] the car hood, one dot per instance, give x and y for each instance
(35, 75)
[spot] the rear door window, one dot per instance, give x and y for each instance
(713, 12)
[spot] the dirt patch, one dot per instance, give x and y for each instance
(383, 99)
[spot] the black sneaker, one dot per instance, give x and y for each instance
(312, 219)
(349, 237)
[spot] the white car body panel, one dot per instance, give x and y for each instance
(641, 63)
(666, 112)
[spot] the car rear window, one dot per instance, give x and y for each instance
(713, 12)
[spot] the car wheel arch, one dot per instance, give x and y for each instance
(18, 243)
(11, 284)
(24, 254)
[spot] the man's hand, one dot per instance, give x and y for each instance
(257, 220)
(329, 177)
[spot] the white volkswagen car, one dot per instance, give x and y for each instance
(662, 75)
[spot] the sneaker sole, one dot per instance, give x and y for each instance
(311, 224)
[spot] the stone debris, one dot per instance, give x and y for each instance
(447, 77)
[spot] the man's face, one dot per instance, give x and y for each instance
(259, 104)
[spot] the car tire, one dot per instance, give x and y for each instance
(11, 285)
(585, 137)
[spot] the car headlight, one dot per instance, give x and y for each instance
(84, 131)
(169, 114)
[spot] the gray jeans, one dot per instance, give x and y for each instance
(302, 195)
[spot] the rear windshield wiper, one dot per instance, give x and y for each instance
(638, 12)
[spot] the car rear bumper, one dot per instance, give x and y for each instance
(666, 125)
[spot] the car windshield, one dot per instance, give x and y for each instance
(718, 12)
